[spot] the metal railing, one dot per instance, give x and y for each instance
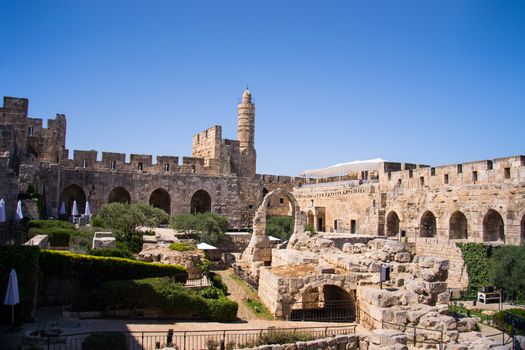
(187, 340)
(254, 284)
(327, 311)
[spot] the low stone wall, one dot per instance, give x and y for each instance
(457, 273)
(338, 342)
(269, 291)
(234, 242)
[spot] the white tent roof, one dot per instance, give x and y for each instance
(272, 238)
(205, 246)
(342, 169)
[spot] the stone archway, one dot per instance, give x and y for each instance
(200, 202)
(322, 302)
(427, 225)
(493, 227)
(119, 195)
(160, 198)
(259, 251)
(310, 218)
(73, 193)
(458, 227)
(392, 224)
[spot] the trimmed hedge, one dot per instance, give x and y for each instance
(163, 293)
(24, 259)
(89, 268)
(112, 252)
(59, 232)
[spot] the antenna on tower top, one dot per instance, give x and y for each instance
(246, 86)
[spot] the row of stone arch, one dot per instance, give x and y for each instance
(159, 198)
(493, 226)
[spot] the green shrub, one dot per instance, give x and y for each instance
(105, 341)
(506, 271)
(125, 219)
(475, 256)
(282, 337)
(24, 259)
(59, 232)
(207, 227)
(216, 281)
(211, 293)
(501, 324)
(112, 252)
(280, 227)
(163, 293)
(222, 310)
(82, 239)
(93, 269)
(181, 247)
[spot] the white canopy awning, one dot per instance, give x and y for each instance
(343, 169)
(205, 246)
(272, 238)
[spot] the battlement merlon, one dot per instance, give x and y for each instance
(207, 144)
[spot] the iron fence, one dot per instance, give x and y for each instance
(186, 340)
(327, 311)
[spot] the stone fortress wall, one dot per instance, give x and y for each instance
(219, 176)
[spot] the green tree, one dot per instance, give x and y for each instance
(506, 271)
(207, 227)
(125, 219)
(279, 226)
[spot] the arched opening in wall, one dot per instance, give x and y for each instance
(160, 198)
(427, 226)
(523, 229)
(458, 228)
(200, 202)
(119, 195)
(493, 227)
(392, 224)
(70, 194)
(310, 219)
(279, 216)
(321, 219)
(327, 303)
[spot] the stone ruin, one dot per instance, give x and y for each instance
(103, 240)
(312, 272)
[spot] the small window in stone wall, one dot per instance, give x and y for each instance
(167, 167)
(281, 200)
(113, 165)
(30, 131)
(84, 163)
(353, 226)
(507, 173)
(140, 166)
(490, 166)
(410, 173)
(446, 179)
(250, 206)
(474, 176)
(432, 171)
(389, 176)
(422, 180)
(460, 168)
(335, 224)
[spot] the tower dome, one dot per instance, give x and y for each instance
(246, 96)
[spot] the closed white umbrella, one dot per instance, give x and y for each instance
(2, 211)
(62, 210)
(19, 215)
(11, 295)
(74, 211)
(87, 212)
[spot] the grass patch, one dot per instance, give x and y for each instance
(181, 247)
(253, 302)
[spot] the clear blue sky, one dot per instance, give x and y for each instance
(433, 82)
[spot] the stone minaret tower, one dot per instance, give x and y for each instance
(246, 133)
